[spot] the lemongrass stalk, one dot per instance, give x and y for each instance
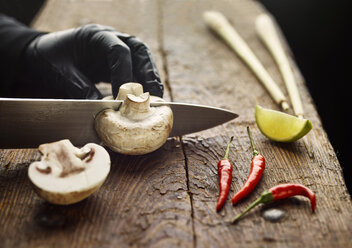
(267, 32)
(218, 22)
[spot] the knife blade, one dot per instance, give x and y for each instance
(27, 123)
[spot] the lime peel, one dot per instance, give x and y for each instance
(279, 126)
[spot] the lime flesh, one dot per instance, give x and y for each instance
(279, 126)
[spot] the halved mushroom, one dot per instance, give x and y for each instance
(67, 174)
(136, 128)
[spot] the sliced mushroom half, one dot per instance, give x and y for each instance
(136, 128)
(67, 174)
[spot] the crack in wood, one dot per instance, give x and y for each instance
(189, 193)
(164, 58)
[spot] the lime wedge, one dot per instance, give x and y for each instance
(279, 126)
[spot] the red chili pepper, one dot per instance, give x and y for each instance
(255, 173)
(281, 191)
(225, 177)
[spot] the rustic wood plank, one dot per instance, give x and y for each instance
(167, 198)
(143, 203)
(204, 70)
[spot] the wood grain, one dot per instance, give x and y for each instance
(168, 198)
(143, 203)
(202, 69)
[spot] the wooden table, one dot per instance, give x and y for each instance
(167, 198)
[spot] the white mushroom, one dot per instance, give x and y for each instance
(136, 128)
(67, 174)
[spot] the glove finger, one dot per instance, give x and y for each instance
(120, 64)
(144, 66)
(56, 82)
(122, 56)
(71, 84)
(115, 59)
(77, 85)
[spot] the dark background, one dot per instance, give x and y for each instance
(318, 33)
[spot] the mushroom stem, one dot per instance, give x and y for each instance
(136, 107)
(129, 88)
(58, 156)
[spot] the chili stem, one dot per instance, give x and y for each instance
(255, 151)
(228, 149)
(255, 203)
(266, 197)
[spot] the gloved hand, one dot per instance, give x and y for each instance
(68, 64)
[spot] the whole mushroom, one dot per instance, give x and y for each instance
(67, 174)
(136, 128)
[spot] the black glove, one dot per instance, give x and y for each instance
(68, 64)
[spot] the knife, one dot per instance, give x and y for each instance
(27, 123)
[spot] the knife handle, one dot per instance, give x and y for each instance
(267, 32)
(218, 22)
